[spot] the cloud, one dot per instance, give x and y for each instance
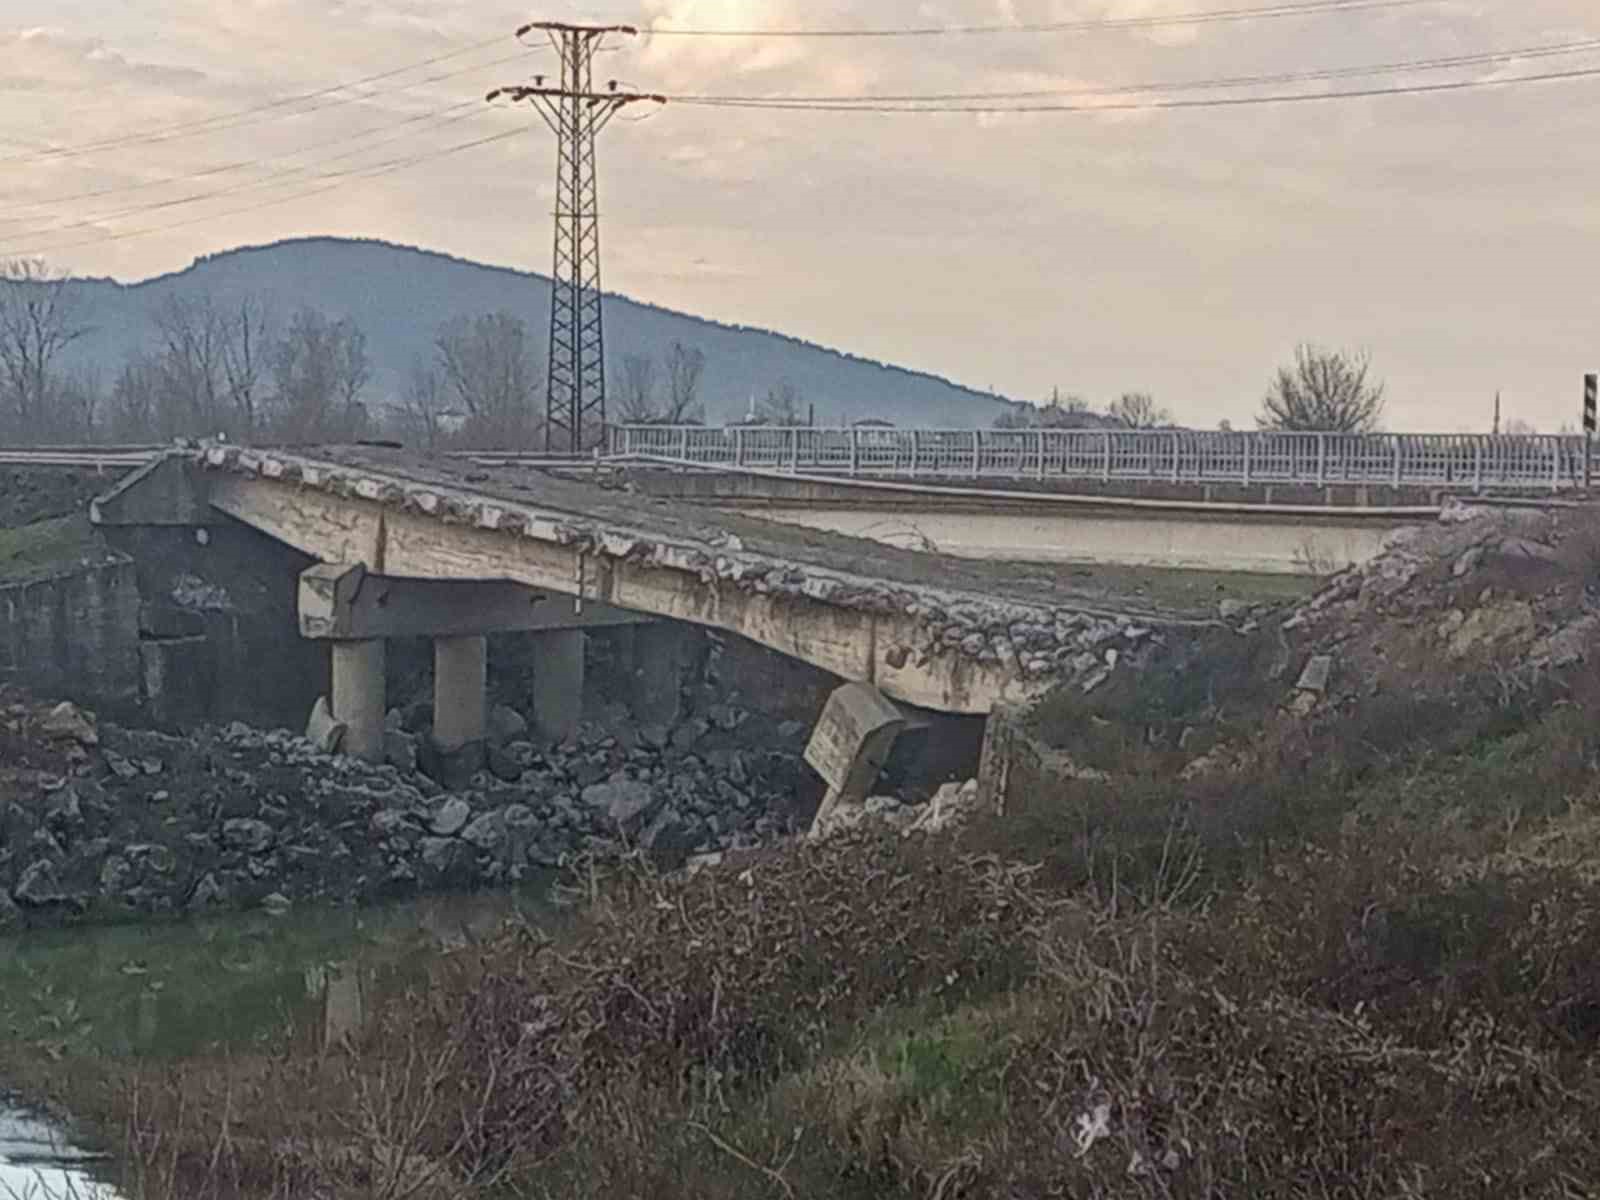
(1175, 251)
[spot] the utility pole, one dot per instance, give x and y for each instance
(575, 393)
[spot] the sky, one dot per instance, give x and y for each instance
(1451, 236)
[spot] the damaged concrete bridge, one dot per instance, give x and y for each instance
(407, 545)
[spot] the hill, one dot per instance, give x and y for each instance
(400, 295)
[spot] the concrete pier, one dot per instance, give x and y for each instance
(460, 680)
(358, 696)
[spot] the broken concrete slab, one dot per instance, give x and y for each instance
(322, 731)
(1316, 674)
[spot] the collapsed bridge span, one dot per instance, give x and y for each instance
(940, 633)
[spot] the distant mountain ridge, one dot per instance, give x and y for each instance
(400, 295)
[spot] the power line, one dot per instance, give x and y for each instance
(1215, 16)
(454, 114)
(1416, 64)
(269, 111)
(1417, 89)
(339, 179)
(237, 165)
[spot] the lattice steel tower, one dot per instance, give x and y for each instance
(575, 398)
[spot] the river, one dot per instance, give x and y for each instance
(37, 1163)
(165, 991)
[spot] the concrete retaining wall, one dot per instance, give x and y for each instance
(217, 631)
(1016, 769)
(75, 635)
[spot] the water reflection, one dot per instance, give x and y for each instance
(162, 991)
(37, 1163)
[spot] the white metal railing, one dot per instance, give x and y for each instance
(1465, 461)
(1468, 462)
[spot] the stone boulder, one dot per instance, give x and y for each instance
(400, 751)
(446, 860)
(487, 833)
(247, 834)
(451, 817)
(670, 838)
(625, 802)
(506, 725)
(67, 722)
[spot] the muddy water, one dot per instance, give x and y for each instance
(157, 992)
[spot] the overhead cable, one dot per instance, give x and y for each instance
(1304, 8)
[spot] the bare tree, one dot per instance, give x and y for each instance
(352, 371)
(422, 406)
(636, 389)
(686, 367)
(489, 366)
(318, 369)
(213, 362)
(782, 405)
(78, 402)
(136, 400)
(191, 337)
(1138, 410)
(1519, 428)
(39, 320)
(245, 350)
(1325, 391)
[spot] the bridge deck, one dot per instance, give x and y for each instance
(944, 633)
(616, 507)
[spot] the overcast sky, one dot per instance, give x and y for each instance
(1182, 253)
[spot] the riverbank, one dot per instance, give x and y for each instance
(1316, 912)
(83, 1009)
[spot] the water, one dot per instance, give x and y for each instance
(38, 1163)
(167, 991)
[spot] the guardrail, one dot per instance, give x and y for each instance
(1473, 462)
(106, 457)
(1468, 461)
(100, 457)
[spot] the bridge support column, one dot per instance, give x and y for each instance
(358, 696)
(558, 683)
(460, 696)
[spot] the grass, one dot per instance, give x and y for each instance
(47, 547)
(1198, 591)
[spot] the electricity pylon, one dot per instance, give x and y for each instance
(575, 397)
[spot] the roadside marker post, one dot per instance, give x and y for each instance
(1591, 389)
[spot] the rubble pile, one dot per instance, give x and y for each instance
(98, 821)
(1507, 591)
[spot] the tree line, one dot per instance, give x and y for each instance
(239, 370)
(1323, 391)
